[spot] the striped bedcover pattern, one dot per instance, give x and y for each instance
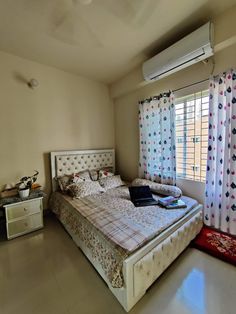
(119, 228)
(114, 226)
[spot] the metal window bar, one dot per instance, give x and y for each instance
(191, 155)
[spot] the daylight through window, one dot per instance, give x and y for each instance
(192, 135)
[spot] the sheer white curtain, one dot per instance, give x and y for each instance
(220, 199)
(157, 160)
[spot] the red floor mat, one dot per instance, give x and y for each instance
(217, 244)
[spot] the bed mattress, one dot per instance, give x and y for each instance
(112, 227)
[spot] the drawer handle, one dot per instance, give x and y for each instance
(25, 209)
(26, 224)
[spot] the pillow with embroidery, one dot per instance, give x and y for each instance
(85, 188)
(104, 173)
(111, 182)
(64, 181)
(158, 188)
(94, 174)
(81, 176)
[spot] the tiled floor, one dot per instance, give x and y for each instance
(45, 273)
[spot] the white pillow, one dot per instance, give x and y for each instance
(96, 174)
(81, 176)
(111, 182)
(85, 188)
(163, 189)
(104, 173)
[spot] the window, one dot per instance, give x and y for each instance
(179, 139)
(192, 135)
(196, 139)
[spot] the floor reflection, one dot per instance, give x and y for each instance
(192, 291)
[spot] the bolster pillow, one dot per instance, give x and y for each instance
(158, 188)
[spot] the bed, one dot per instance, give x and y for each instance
(129, 247)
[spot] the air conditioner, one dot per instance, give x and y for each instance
(191, 49)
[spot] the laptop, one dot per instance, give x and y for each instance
(141, 196)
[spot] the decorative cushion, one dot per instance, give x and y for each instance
(85, 188)
(81, 177)
(103, 173)
(108, 169)
(157, 188)
(63, 182)
(111, 182)
(93, 175)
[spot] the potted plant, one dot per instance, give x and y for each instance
(25, 184)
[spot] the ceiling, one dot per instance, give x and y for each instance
(100, 39)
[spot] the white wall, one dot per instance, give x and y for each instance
(65, 112)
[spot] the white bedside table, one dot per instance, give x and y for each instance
(23, 217)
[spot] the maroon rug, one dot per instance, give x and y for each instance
(216, 243)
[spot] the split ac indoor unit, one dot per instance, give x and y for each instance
(191, 49)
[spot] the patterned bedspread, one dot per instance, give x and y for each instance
(112, 227)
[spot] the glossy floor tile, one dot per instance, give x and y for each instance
(45, 273)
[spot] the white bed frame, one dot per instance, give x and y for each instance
(144, 266)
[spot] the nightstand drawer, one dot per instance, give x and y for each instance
(25, 225)
(23, 209)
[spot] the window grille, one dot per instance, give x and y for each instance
(192, 135)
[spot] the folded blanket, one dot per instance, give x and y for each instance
(157, 188)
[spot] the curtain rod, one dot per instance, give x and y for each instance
(175, 90)
(195, 83)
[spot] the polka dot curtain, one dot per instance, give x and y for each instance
(220, 195)
(157, 139)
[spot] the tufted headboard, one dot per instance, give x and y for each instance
(69, 162)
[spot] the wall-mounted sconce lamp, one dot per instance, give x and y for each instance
(33, 83)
